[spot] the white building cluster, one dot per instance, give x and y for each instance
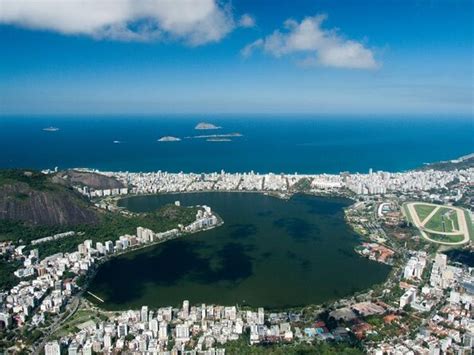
(204, 219)
(382, 182)
(201, 329)
(53, 237)
(50, 285)
(448, 299)
(372, 183)
(415, 266)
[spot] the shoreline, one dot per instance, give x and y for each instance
(365, 292)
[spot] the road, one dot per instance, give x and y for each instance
(75, 302)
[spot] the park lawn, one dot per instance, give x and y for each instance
(81, 316)
(423, 211)
(436, 222)
(470, 225)
(455, 222)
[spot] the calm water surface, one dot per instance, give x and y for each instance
(289, 144)
(269, 252)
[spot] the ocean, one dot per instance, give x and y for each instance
(281, 143)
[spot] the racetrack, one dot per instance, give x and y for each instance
(461, 216)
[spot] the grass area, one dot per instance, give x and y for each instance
(470, 226)
(407, 213)
(446, 238)
(423, 211)
(444, 220)
(80, 317)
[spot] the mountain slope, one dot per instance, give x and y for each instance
(33, 198)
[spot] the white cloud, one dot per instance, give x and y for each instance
(249, 48)
(192, 21)
(320, 46)
(247, 21)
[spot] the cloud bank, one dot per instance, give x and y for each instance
(318, 45)
(195, 22)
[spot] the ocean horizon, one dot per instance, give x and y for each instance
(268, 143)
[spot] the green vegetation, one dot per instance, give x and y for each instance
(423, 211)
(111, 226)
(114, 225)
(242, 347)
(470, 225)
(7, 279)
(407, 214)
(302, 185)
(444, 220)
(35, 179)
(384, 329)
(18, 231)
(31, 335)
(449, 165)
(81, 316)
(446, 238)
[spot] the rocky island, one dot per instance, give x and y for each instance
(205, 125)
(169, 139)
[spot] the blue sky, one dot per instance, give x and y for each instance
(244, 56)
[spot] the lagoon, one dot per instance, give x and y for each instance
(269, 252)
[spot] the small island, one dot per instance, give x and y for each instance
(216, 136)
(169, 139)
(205, 125)
(51, 129)
(219, 140)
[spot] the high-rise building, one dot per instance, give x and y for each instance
(153, 325)
(52, 348)
(203, 311)
(87, 348)
(88, 244)
(73, 348)
(261, 316)
(144, 314)
(185, 309)
(182, 332)
(107, 341)
(140, 232)
(163, 331)
(109, 246)
(122, 330)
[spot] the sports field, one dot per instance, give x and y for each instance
(446, 225)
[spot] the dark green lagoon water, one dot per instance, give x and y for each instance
(270, 252)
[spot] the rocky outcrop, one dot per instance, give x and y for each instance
(83, 178)
(44, 203)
